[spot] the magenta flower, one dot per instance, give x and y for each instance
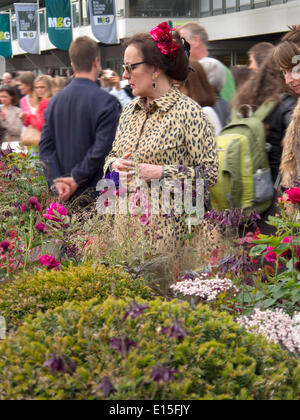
(49, 261)
(4, 245)
(294, 195)
(55, 211)
(33, 201)
(23, 208)
(41, 227)
(271, 256)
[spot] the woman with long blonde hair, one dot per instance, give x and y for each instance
(41, 97)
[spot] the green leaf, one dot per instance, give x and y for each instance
(257, 250)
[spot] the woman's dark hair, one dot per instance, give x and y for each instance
(28, 79)
(260, 51)
(177, 68)
(11, 91)
(198, 86)
(288, 48)
(266, 84)
(240, 74)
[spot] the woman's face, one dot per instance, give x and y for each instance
(292, 79)
(140, 76)
(5, 98)
(40, 89)
(24, 89)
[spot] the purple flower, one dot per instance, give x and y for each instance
(175, 331)
(113, 176)
(4, 245)
(135, 311)
(59, 363)
(7, 213)
(41, 227)
(49, 261)
(23, 208)
(106, 386)
(34, 203)
(122, 345)
(162, 373)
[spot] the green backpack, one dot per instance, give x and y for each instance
(245, 179)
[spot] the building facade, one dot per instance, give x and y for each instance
(233, 27)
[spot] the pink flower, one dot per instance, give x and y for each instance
(4, 245)
(34, 203)
(49, 261)
(55, 208)
(294, 195)
(23, 208)
(271, 256)
(144, 219)
(41, 227)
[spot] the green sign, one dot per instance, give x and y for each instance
(59, 23)
(5, 36)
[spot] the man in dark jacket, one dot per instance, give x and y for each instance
(80, 126)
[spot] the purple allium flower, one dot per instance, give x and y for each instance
(59, 363)
(162, 373)
(135, 310)
(122, 345)
(106, 386)
(175, 331)
(4, 245)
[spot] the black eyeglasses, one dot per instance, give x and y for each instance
(130, 67)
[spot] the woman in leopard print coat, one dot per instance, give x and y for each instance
(165, 129)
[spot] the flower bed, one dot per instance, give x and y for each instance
(124, 349)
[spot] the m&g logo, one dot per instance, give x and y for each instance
(4, 36)
(59, 22)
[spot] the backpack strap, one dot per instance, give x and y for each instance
(264, 110)
(261, 113)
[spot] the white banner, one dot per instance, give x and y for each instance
(27, 19)
(103, 20)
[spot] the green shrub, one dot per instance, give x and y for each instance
(45, 290)
(206, 356)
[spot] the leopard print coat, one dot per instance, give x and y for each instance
(172, 132)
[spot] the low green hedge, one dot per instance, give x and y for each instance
(46, 289)
(157, 350)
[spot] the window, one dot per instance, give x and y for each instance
(163, 8)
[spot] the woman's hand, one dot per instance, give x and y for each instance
(23, 116)
(149, 172)
(123, 164)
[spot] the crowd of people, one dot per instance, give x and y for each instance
(167, 108)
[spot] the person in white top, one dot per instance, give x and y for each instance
(111, 82)
(197, 87)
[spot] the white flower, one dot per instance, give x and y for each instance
(204, 287)
(276, 326)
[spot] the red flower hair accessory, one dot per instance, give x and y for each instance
(165, 43)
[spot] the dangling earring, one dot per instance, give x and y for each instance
(154, 83)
